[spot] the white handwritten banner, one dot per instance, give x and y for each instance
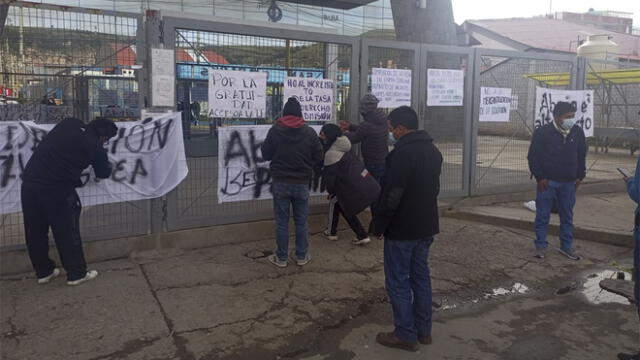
(445, 87)
(392, 87)
(315, 96)
(41, 114)
(495, 104)
(242, 173)
(582, 100)
(237, 94)
(163, 77)
(147, 157)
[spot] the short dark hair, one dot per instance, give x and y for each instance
(563, 107)
(102, 126)
(404, 116)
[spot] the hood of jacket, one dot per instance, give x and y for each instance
(290, 128)
(412, 137)
(341, 146)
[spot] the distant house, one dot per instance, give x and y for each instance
(541, 34)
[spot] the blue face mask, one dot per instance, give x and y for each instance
(392, 139)
(567, 124)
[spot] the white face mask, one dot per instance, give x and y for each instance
(392, 139)
(567, 124)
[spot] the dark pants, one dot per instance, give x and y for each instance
(285, 197)
(353, 221)
(564, 195)
(408, 283)
(58, 209)
(636, 266)
(377, 171)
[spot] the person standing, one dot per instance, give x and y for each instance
(350, 186)
(407, 215)
(633, 188)
(557, 158)
(373, 134)
(295, 153)
(49, 198)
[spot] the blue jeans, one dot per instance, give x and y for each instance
(286, 196)
(636, 266)
(377, 171)
(408, 283)
(565, 195)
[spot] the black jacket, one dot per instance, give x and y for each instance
(408, 206)
(345, 177)
(63, 155)
(294, 151)
(554, 157)
(373, 133)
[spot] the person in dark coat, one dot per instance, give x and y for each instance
(557, 159)
(350, 186)
(633, 188)
(49, 198)
(407, 215)
(295, 152)
(372, 133)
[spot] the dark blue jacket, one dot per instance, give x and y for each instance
(558, 158)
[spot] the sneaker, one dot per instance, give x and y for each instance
(392, 341)
(361, 241)
(47, 279)
(623, 356)
(569, 253)
(91, 274)
(305, 261)
(540, 252)
(425, 339)
(277, 262)
(328, 235)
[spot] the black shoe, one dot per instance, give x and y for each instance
(623, 356)
(391, 340)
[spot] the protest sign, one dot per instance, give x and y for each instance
(445, 87)
(237, 94)
(582, 101)
(392, 87)
(39, 113)
(315, 97)
(495, 104)
(163, 77)
(147, 158)
(242, 172)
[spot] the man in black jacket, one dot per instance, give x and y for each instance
(407, 215)
(557, 157)
(373, 133)
(295, 152)
(49, 198)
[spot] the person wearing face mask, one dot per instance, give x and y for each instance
(350, 186)
(49, 198)
(557, 158)
(372, 133)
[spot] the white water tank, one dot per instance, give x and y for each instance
(601, 50)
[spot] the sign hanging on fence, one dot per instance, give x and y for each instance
(445, 87)
(242, 173)
(582, 100)
(237, 94)
(39, 113)
(315, 97)
(163, 77)
(147, 157)
(392, 87)
(495, 104)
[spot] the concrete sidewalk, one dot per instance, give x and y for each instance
(601, 217)
(227, 302)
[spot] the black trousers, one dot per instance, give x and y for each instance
(57, 208)
(354, 222)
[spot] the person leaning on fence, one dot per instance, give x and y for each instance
(350, 186)
(373, 134)
(295, 152)
(49, 198)
(407, 215)
(633, 188)
(557, 157)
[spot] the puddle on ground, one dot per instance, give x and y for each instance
(596, 295)
(517, 288)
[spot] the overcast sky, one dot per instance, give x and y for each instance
(496, 9)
